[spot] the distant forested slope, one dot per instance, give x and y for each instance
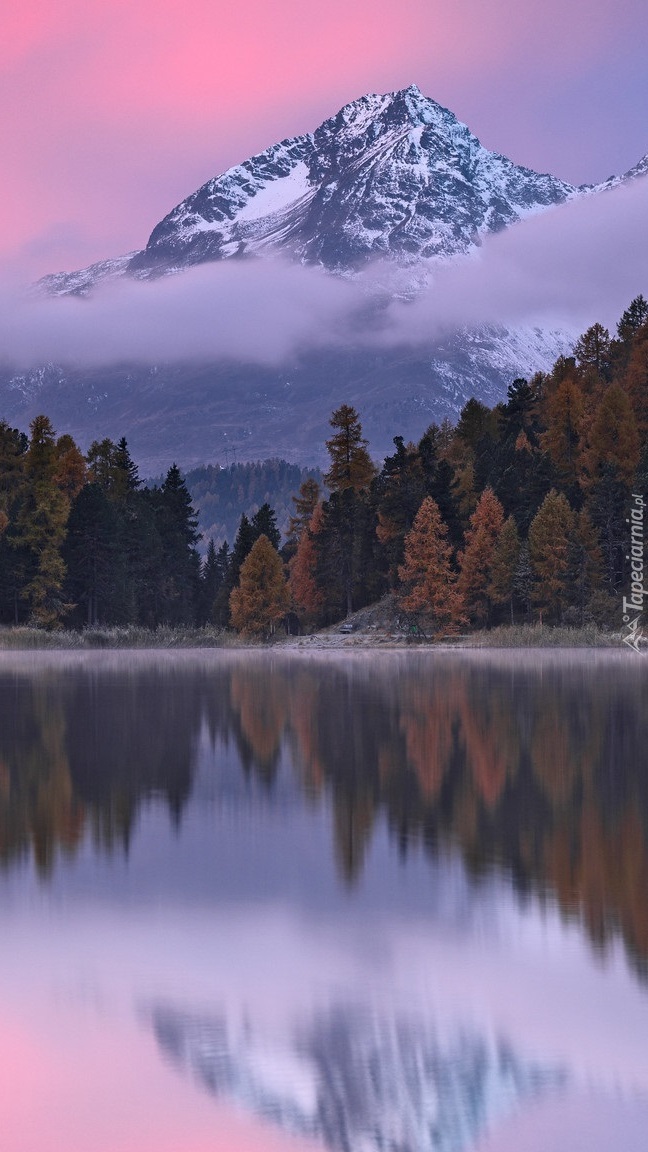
(221, 495)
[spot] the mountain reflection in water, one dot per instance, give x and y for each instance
(355, 1080)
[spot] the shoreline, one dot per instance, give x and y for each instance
(515, 638)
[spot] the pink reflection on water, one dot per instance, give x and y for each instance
(575, 1123)
(73, 1081)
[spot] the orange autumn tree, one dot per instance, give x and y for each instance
(262, 597)
(306, 594)
(476, 560)
(504, 566)
(550, 534)
(429, 584)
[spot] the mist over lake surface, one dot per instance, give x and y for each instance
(259, 901)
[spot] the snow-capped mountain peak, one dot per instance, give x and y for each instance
(393, 175)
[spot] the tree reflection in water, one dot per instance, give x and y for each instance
(536, 768)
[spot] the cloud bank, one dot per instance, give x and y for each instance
(568, 267)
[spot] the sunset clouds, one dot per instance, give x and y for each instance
(112, 112)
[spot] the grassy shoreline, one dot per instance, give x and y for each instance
(24, 638)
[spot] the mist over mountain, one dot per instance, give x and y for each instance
(336, 266)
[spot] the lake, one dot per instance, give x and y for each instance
(369, 902)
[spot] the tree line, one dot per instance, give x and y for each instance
(517, 512)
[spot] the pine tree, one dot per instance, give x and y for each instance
(41, 527)
(180, 563)
(125, 474)
(476, 559)
(210, 581)
(264, 523)
(351, 466)
(90, 555)
(523, 580)
(592, 351)
(349, 478)
(429, 585)
(634, 318)
(305, 504)
(243, 544)
(219, 612)
(262, 596)
(549, 550)
(400, 490)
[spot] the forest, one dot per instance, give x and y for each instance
(518, 513)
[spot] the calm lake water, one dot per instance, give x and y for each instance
(391, 902)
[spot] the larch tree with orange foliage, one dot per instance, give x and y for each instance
(307, 596)
(429, 584)
(564, 437)
(612, 459)
(613, 440)
(504, 566)
(262, 597)
(549, 549)
(476, 560)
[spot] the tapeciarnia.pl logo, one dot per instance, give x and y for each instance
(633, 604)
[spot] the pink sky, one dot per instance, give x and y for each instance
(111, 112)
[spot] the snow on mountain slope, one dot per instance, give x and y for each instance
(359, 1082)
(394, 175)
(393, 181)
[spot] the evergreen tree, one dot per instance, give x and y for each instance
(399, 493)
(212, 580)
(180, 563)
(592, 351)
(350, 466)
(90, 554)
(245, 539)
(349, 478)
(219, 613)
(634, 318)
(41, 527)
(305, 504)
(264, 523)
(524, 580)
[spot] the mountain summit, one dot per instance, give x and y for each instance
(395, 176)
(392, 177)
